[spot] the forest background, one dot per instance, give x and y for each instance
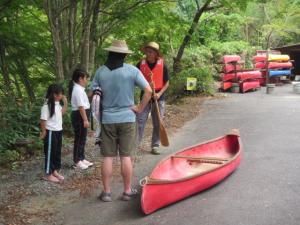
(43, 41)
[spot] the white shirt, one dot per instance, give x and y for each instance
(79, 98)
(55, 122)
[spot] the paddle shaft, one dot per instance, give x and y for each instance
(162, 131)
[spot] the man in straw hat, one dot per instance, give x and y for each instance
(117, 81)
(153, 65)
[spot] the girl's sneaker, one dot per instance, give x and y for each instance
(87, 163)
(81, 165)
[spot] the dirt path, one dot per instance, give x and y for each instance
(26, 199)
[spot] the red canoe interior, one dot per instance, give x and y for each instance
(179, 168)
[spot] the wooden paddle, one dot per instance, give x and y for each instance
(163, 136)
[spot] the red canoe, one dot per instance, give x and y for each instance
(226, 85)
(259, 58)
(249, 85)
(255, 74)
(229, 68)
(274, 65)
(231, 58)
(272, 57)
(190, 171)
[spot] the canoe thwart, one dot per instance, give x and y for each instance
(200, 158)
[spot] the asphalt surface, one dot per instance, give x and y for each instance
(264, 190)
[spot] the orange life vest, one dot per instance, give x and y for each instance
(158, 72)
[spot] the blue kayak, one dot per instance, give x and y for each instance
(273, 73)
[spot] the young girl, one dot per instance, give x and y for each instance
(80, 111)
(51, 131)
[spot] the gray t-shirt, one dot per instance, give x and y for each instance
(118, 92)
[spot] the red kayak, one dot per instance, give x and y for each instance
(259, 58)
(272, 57)
(231, 58)
(226, 85)
(190, 171)
(249, 85)
(255, 74)
(274, 65)
(229, 68)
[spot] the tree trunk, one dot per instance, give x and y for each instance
(4, 68)
(93, 35)
(18, 89)
(188, 36)
(85, 44)
(23, 73)
(71, 36)
(57, 46)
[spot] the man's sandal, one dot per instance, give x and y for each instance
(128, 196)
(105, 197)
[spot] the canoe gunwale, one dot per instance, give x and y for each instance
(148, 180)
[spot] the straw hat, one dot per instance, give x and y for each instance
(119, 46)
(152, 45)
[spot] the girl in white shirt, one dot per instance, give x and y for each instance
(80, 111)
(51, 131)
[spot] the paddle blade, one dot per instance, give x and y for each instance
(164, 140)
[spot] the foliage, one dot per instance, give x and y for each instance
(20, 121)
(276, 22)
(204, 82)
(28, 56)
(8, 156)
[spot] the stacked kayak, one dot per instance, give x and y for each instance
(243, 80)
(242, 76)
(274, 65)
(231, 65)
(277, 66)
(249, 85)
(231, 59)
(272, 57)
(274, 73)
(230, 68)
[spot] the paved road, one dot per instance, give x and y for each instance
(265, 190)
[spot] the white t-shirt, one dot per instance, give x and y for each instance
(79, 98)
(55, 122)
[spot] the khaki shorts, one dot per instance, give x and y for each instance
(118, 138)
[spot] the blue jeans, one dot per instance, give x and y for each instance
(142, 120)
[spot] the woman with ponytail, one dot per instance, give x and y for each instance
(80, 111)
(51, 131)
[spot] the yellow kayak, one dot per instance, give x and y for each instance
(279, 58)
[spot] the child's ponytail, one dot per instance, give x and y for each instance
(53, 89)
(77, 74)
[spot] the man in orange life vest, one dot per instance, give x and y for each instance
(153, 63)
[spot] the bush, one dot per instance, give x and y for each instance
(22, 122)
(204, 82)
(219, 49)
(7, 156)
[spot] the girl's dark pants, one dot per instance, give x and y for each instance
(52, 150)
(80, 136)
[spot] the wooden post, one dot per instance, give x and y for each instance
(235, 73)
(267, 67)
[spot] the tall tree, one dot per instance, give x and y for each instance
(200, 10)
